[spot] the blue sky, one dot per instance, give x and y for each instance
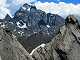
(66, 1)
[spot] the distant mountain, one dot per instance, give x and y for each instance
(33, 26)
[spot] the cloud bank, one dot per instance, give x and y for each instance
(63, 9)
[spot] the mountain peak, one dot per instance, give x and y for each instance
(71, 19)
(26, 6)
(7, 17)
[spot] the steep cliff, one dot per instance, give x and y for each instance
(10, 48)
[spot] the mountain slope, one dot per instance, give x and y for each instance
(32, 26)
(64, 46)
(10, 48)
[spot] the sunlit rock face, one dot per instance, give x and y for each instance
(10, 48)
(33, 26)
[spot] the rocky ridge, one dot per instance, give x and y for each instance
(64, 46)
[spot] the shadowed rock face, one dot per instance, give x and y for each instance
(33, 26)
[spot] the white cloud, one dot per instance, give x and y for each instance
(2, 3)
(3, 12)
(63, 9)
(11, 6)
(3, 9)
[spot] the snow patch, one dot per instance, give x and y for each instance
(14, 30)
(48, 26)
(11, 22)
(20, 32)
(42, 45)
(3, 26)
(0, 22)
(35, 32)
(23, 26)
(28, 9)
(24, 8)
(13, 36)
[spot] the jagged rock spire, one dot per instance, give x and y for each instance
(7, 17)
(71, 19)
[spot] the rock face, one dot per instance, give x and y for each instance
(64, 46)
(10, 48)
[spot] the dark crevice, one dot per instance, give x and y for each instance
(62, 54)
(76, 38)
(34, 57)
